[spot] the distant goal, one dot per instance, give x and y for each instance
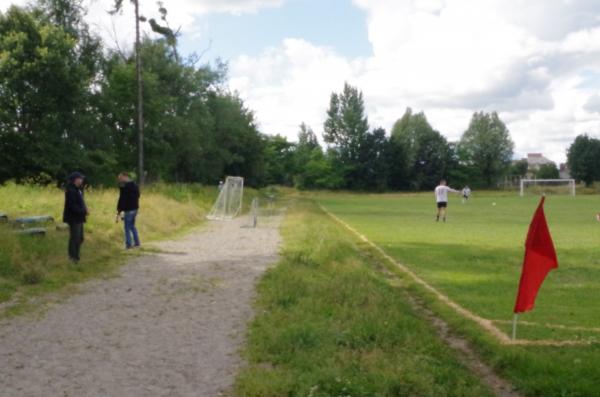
(547, 186)
(229, 202)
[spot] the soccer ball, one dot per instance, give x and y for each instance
(493, 203)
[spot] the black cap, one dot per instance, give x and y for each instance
(76, 175)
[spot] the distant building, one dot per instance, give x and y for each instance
(564, 171)
(535, 161)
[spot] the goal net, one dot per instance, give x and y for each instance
(229, 202)
(547, 186)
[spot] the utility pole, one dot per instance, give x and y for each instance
(140, 93)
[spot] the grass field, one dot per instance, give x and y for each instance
(475, 258)
(36, 265)
(330, 324)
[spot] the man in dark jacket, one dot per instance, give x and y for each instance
(129, 203)
(75, 214)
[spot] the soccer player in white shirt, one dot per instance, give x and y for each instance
(441, 197)
(466, 193)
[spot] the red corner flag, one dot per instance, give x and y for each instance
(540, 258)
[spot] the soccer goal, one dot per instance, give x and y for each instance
(547, 186)
(229, 202)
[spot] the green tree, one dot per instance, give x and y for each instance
(238, 144)
(519, 168)
(307, 139)
(487, 147)
(324, 171)
(67, 14)
(422, 155)
(170, 37)
(374, 156)
(196, 131)
(583, 158)
(397, 165)
(66, 105)
(346, 129)
(47, 110)
(139, 87)
(98, 158)
(459, 173)
(307, 144)
(279, 161)
(312, 168)
(548, 171)
(346, 125)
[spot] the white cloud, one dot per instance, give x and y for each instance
(228, 6)
(289, 84)
(4, 4)
(182, 14)
(523, 58)
(537, 62)
(592, 105)
(582, 41)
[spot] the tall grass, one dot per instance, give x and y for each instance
(39, 264)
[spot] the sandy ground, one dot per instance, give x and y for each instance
(170, 325)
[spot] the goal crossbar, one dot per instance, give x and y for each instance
(541, 182)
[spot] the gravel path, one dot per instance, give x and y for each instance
(170, 325)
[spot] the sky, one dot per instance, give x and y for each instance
(535, 62)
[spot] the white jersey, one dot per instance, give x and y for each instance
(466, 192)
(441, 193)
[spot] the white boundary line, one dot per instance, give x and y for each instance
(549, 325)
(486, 324)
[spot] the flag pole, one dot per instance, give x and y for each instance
(514, 329)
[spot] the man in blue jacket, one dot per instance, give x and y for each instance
(75, 214)
(129, 203)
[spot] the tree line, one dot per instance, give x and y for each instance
(414, 156)
(69, 103)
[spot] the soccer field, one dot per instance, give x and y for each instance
(475, 257)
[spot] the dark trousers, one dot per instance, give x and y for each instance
(75, 240)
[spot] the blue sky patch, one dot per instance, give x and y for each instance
(337, 24)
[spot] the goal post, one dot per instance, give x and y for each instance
(547, 186)
(229, 202)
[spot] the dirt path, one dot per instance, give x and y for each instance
(170, 325)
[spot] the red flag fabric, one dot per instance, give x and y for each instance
(540, 258)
